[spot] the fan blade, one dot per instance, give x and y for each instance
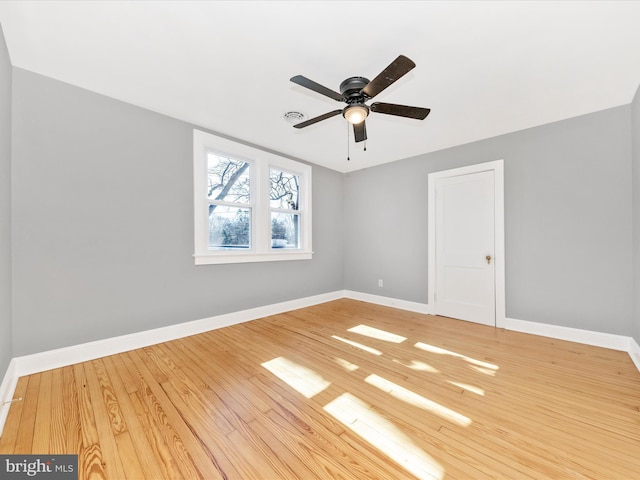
(400, 110)
(360, 131)
(317, 119)
(316, 87)
(398, 68)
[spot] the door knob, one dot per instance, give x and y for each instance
(488, 257)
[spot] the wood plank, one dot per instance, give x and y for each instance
(12, 424)
(71, 414)
(101, 398)
(26, 430)
(146, 456)
(129, 457)
(42, 427)
(90, 458)
(156, 437)
(58, 427)
(109, 399)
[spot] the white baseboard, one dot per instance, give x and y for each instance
(389, 302)
(587, 337)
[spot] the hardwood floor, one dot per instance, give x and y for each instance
(344, 390)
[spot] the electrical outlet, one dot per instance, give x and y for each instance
(380, 283)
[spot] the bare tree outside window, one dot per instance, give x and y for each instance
(284, 200)
(285, 190)
(230, 204)
(229, 192)
(229, 180)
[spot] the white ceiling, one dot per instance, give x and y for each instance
(484, 68)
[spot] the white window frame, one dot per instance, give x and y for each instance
(261, 163)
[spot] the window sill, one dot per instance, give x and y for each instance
(221, 258)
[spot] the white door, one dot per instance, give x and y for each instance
(465, 286)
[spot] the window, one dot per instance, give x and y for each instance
(249, 205)
(229, 202)
(284, 202)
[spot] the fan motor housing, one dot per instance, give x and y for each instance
(351, 88)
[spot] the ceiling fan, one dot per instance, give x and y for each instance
(356, 91)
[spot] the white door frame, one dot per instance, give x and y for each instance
(497, 167)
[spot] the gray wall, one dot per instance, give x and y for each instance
(103, 224)
(5, 207)
(635, 136)
(567, 221)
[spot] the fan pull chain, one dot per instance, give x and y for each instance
(348, 156)
(365, 145)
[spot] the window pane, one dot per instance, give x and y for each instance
(285, 191)
(229, 227)
(285, 230)
(228, 179)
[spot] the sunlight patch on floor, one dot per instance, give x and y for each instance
(486, 371)
(384, 436)
(377, 334)
(418, 365)
(357, 345)
(346, 364)
(302, 379)
(412, 398)
(469, 388)
(441, 351)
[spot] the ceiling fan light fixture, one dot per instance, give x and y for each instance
(356, 113)
(356, 91)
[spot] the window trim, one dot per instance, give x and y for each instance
(262, 162)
